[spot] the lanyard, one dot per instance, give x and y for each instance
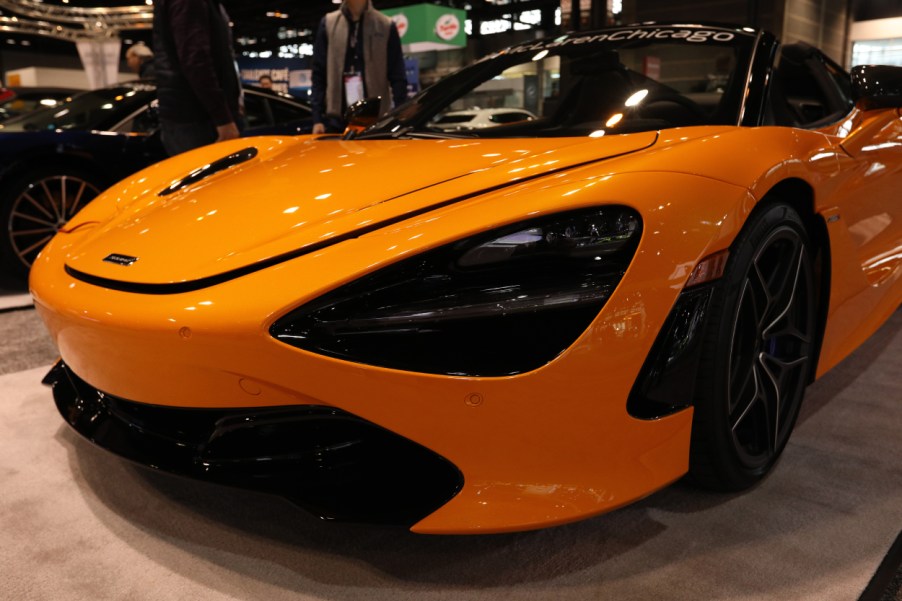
(353, 40)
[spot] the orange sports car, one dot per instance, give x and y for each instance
(501, 328)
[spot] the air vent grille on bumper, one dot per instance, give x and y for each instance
(332, 463)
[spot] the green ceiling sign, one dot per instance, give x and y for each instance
(429, 26)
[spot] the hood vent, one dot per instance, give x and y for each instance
(236, 158)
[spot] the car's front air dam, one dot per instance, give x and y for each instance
(335, 465)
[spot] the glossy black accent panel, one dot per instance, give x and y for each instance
(236, 158)
(667, 381)
(499, 303)
(758, 80)
(877, 86)
(334, 464)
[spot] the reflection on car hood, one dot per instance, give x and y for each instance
(299, 193)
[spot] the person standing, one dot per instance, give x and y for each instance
(140, 60)
(356, 55)
(197, 79)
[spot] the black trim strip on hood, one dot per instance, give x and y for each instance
(206, 282)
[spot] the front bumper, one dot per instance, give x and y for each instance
(334, 464)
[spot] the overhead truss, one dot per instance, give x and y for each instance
(72, 23)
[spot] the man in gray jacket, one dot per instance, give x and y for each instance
(356, 55)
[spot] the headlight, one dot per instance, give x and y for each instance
(494, 304)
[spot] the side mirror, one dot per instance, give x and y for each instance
(877, 87)
(361, 115)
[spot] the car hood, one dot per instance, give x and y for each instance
(298, 194)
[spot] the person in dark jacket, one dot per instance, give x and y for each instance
(356, 55)
(197, 79)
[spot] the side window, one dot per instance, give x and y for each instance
(256, 111)
(510, 117)
(843, 82)
(143, 121)
(284, 112)
(806, 90)
(147, 121)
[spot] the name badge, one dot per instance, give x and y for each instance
(353, 87)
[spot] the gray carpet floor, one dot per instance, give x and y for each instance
(79, 523)
(25, 343)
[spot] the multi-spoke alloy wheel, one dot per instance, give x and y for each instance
(758, 355)
(36, 209)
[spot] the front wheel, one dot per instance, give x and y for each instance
(758, 353)
(32, 210)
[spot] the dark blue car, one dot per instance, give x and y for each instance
(21, 100)
(53, 161)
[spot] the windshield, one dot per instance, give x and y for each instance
(613, 81)
(98, 109)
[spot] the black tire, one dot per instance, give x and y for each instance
(33, 207)
(758, 351)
